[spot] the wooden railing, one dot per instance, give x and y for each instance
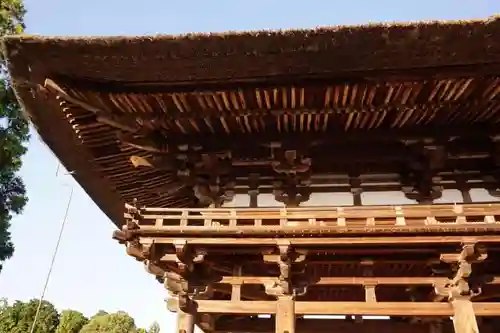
(323, 219)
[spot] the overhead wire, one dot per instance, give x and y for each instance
(54, 255)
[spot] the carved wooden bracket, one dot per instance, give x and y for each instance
(421, 187)
(187, 300)
(132, 217)
(134, 249)
(187, 256)
(207, 322)
(212, 180)
(209, 175)
(458, 286)
(277, 290)
(292, 190)
(121, 236)
(153, 269)
(289, 162)
(187, 291)
(188, 281)
(419, 182)
(286, 258)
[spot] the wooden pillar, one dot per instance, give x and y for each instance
(356, 189)
(284, 290)
(464, 190)
(370, 295)
(181, 284)
(285, 314)
(236, 287)
(464, 318)
(253, 190)
(458, 290)
(185, 322)
(254, 196)
(357, 198)
(466, 195)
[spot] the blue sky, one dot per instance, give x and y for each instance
(92, 271)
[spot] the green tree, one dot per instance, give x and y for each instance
(14, 133)
(155, 328)
(71, 321)
(119, 322)
(99, 313)
(18, 318)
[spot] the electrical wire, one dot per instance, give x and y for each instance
(49, 273)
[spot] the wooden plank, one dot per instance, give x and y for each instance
(326, 241)
(349, 280)
(339, 308)
(267, 325)
(285, 314)
(215, 230)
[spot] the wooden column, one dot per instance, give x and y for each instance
(185, 322)
(187, 286)
(254, 196)
(356, 190)
(356, 197)
(285, 314)
(457, 290)
(253, 190)
(464, 318)
(370, 294)
(284, 289)
(236, 287)
(464, 189)
(466, 195)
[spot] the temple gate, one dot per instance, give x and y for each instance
(168, 130)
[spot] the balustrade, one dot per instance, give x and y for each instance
(366, 218)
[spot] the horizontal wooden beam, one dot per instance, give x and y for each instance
(297, 229)
(267, 325)
(349, 280)
(266, 186)
(264, 325)
(339, 308)
(330, 211)
(325, 241)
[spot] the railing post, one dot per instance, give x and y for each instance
(400, 217)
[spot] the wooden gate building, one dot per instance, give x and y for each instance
(168, 130)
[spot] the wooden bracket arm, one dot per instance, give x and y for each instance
(187, 256)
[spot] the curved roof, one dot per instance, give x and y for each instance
(428, 53)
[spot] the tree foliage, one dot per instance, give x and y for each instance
(19, 317)
(99, 313)
(71, 321)
(14, 133)
(119, 322)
